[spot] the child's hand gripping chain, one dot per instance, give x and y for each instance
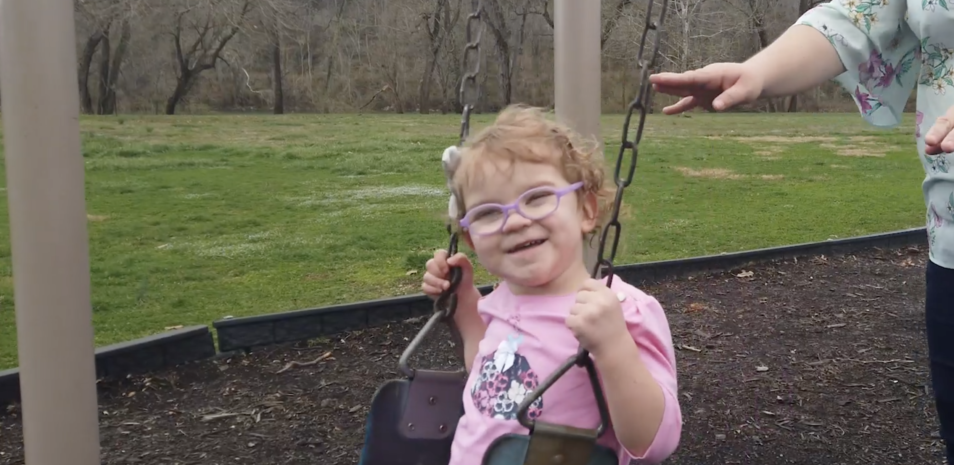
(596, 318)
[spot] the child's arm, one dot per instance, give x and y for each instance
(469, 324)
(466, 318)
(638, 373)
(645, 416)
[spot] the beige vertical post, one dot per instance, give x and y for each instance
(45, 190)
(576, 55)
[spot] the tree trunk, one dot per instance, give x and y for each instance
(506, 75)
(104, 54)
(792, 104)
(182, 87)
(278, 105)
(109, 98)
(424, 93)
(86, 60)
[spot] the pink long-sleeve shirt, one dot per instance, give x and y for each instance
(526, 340)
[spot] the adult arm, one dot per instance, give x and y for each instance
(865, 45)
(799, 60)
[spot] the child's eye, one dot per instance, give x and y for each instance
(484, 213)
(539, 196)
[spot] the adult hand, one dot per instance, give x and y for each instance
(718, 86)
(940, 138)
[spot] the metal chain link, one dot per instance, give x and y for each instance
(469, 80)
(642, 104)
(446, 303)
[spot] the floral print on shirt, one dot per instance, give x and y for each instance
(933, 223)
(505, 380)
(937, 163)
(880, 73)
(862, 12)
(937, 71)
(931, 5)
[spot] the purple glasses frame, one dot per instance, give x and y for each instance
(515, 206)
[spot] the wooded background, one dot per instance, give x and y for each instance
(399, 56)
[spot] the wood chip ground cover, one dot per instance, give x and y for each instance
(819, 360)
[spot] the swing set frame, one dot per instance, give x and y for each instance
(47, 207)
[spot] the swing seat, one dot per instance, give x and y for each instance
(558, 448)
(412, 421)
(553, 444)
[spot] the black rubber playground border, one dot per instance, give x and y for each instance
(137, 356)
(195, 343)
(248, 332)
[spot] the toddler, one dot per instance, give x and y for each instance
(527, 195)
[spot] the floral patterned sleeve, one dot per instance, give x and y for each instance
(878, 49)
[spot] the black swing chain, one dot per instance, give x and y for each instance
(446, 303)
(640, 104)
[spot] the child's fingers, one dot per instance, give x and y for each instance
(438, 265)
(430, 290)
(437, 283)
(460, 259)
(432, 285)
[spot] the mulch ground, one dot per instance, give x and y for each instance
(810, 361)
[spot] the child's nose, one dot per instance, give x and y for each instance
(515, 222)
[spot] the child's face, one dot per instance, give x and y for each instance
(556, 259)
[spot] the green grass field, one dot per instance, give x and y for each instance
(195, 218)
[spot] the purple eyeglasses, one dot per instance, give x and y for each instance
(534, 204)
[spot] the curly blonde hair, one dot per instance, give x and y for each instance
(523, 133)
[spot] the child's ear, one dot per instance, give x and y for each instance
(590, 212)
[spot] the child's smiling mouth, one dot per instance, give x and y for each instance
(526, 245)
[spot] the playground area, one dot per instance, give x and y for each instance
(181, 246)
(797, 361)
(815, 360)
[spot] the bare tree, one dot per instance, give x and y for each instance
(439, 22)
(106, 18)
(212, 24)
(275, 21)
(389, 55)
(507, 27)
